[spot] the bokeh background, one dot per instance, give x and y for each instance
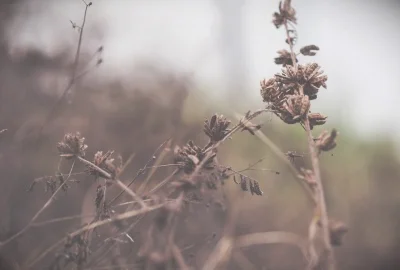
(167, 66)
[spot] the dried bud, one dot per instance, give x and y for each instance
(270, 91)
(309, 50)
(313, 80)
(284, 58)
(286, 12)
(72, 145)
(255, 188)
(297, 106)
(189, 156)
(308, 76)
(337, 230)
(326, 141)
(243, 183)
(217, 128)
(104, 162)
(253, 185)
(316, 119)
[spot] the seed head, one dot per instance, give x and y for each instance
(72, 145)
(286, 12)
(191, 155)
(105, 162)
(217, 128)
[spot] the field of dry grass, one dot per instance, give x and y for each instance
(146, 176)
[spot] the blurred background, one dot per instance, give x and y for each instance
(167, 66)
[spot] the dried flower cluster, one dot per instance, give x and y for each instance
(217, 128)
(72, 146)
(106, 163)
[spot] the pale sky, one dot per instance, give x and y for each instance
(359, 43)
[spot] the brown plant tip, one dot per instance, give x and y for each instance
(284, 58)
(104, 162)
(286, 13)
(337, 231)
(326, 141)
(191, 155)
(309, 50)
(316, 119)
(72, 145)
(216, 128)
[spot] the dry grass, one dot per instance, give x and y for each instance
(144, 223)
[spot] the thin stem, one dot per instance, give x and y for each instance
(275, 149)
(292, 54)
(321, 196)
(72, 79)
(139, 173)
(38, 213)
(86, 228)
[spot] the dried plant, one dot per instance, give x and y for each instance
(288, 95)
(153, 212)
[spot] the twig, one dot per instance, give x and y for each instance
(139, 173)
(275, 237)
(122, 216)
(35, 217)
(179, 258)
(73, 77)
(275, 149)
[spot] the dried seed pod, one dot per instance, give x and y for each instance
(309, 76)
(270, 91)
(72, 145)
(255, 188)
(189, 156)
(217, 128)
(337, 230)
(326, 141)
(243, 183)
(309, 50)
(313, 80)
(316, 119)
(284, 58)
(104, 162)
(297, 106)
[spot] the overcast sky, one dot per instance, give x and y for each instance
(359, 43)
